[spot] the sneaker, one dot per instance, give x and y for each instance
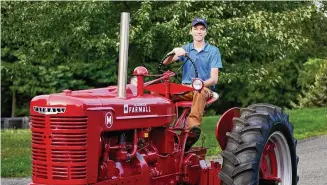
(192, 138)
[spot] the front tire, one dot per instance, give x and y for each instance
(260, 148)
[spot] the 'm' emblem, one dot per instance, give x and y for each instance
(108, 120)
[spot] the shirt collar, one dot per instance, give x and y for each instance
(205, 48)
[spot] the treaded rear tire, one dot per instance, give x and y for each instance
(246, 142)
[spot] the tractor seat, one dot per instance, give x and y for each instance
(214, 97)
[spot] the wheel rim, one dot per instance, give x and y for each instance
(275, 163)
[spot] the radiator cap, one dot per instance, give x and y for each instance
(140, 70)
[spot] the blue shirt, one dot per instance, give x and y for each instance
(208, 57)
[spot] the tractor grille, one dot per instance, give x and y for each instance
(69, 136)
(37, 121)
(38, 138)
(74, 156)
(39, 156)
(68, 139)
(40, 170)
(71, 123)
(62, 172)
(59, 144)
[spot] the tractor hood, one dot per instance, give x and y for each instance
(78, 103)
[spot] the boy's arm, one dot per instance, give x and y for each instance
(213, 78)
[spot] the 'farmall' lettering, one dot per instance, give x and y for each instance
(137, 108)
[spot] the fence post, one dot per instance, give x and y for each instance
(5, 123)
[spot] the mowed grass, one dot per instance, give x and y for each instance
(309, 122)
(16, 151)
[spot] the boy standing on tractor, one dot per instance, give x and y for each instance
(208, 61)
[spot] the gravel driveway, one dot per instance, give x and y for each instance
(312, 166)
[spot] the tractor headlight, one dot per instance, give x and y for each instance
(197, 84)
(134, 80)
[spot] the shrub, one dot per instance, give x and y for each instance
(315, 90)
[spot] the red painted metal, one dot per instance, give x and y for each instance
(163, 140)
(268, 163)
(174, 88)
(140, 70)
(93, 137)
(180, 123)
(140, 82)
(123, 155)
(225, 124)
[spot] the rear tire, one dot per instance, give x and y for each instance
(260, 148)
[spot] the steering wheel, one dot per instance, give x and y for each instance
(177, 71)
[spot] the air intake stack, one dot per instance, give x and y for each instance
(123, 54)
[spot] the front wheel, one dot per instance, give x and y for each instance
(260, 149)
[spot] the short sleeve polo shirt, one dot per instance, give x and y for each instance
(208, 57)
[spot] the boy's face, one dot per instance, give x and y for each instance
(198, 32)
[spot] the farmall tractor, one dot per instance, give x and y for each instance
(133, 134)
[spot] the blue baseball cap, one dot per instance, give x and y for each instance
(199, 21)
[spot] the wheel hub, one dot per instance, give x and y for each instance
(275, 163)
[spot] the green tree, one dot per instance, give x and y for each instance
(51, 46)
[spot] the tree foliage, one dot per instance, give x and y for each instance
(50, 46)
(315, 90)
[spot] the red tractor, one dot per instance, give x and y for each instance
(134, 134)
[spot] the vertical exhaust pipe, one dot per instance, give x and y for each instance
(123, 54)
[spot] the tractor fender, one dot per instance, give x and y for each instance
(225, 124)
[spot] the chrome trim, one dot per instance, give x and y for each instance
(123, 54)
(144, 116)
(49, 110)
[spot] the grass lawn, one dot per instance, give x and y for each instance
(15, 144)
(309, 122)
(15, 153)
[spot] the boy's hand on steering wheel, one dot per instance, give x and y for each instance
(179, 52)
